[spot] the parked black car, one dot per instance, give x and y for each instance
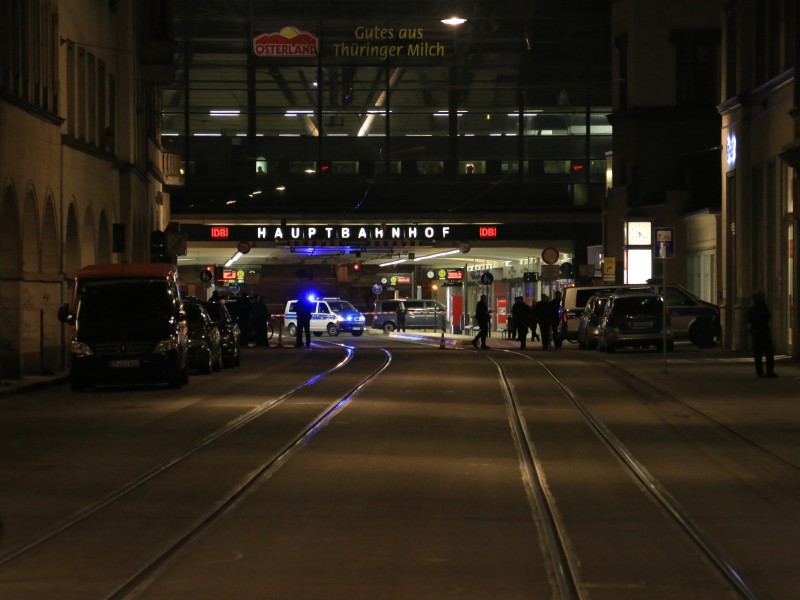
(229, 333)
(205, 350)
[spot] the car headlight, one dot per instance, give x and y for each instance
(359, 319)
(171, 343)
(81, 349)
(339, 319)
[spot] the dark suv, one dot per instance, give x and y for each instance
(420, 314)
(635, 320)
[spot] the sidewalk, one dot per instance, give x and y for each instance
(30, 383)
(784, 365)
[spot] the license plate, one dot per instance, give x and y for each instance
(359, 328)
(124, 364)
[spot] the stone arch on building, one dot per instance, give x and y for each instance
(72, 246)
(10, 276)
(31, 241)
(10, 262)
(50, 243)
(103, 239)
(88, 239)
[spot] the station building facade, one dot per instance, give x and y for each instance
(311, 112)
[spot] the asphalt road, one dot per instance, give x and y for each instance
(388, 467)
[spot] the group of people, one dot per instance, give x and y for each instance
(544, 315)
(251, 314)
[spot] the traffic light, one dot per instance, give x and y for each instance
(158, 247)
(357, 267)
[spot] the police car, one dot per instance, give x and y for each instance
(331, 316)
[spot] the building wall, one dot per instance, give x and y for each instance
(73, 161)
(665, 71)
(759, 223)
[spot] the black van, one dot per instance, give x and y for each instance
(130, 326)
(420, 314)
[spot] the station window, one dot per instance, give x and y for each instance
(557, 167)
(393, 169)
(472, 167)
(344, 167)
(261, 165)
(430, 167)
(301, 167)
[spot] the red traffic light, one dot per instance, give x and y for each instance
(356, 266)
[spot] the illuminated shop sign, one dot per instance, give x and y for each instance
(363, 41)
(289, 41)
(451, 275)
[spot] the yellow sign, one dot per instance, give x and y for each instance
(609, 265)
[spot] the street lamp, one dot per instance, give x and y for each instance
(454, 21)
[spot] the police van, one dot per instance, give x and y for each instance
(330, 315)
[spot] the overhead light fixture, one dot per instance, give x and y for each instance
(454, 21)
(394, 262)
(233, 259)
(437, 255)
(224, 113)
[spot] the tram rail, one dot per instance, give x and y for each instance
(231, 427)
(563, 562)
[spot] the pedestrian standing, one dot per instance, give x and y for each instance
(519, 312)
(482, 319)
(758, 316)
(511, 326)
(304, 308)
(544, 317)
(401, 316)
(555, 316)
(259, 317)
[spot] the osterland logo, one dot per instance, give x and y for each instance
(289, 41)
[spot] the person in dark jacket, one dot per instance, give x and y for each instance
(544, 316)
(304, 308)
(259, 317)
(555, 309)
(519, 312)
(482, 319)
(401, 316)
(758, 316)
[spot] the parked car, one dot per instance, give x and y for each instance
(634, 319)
(420, 314)
(229, 333)
(589, 324)
(693, 319)
(129, 326)
(330, 315)
(205, 351)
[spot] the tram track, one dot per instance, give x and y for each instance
(564, 563)
(96, 509)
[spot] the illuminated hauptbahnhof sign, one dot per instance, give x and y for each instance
(344, 234)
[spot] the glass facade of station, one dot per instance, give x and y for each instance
(331, 107)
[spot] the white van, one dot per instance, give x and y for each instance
(331, 316)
